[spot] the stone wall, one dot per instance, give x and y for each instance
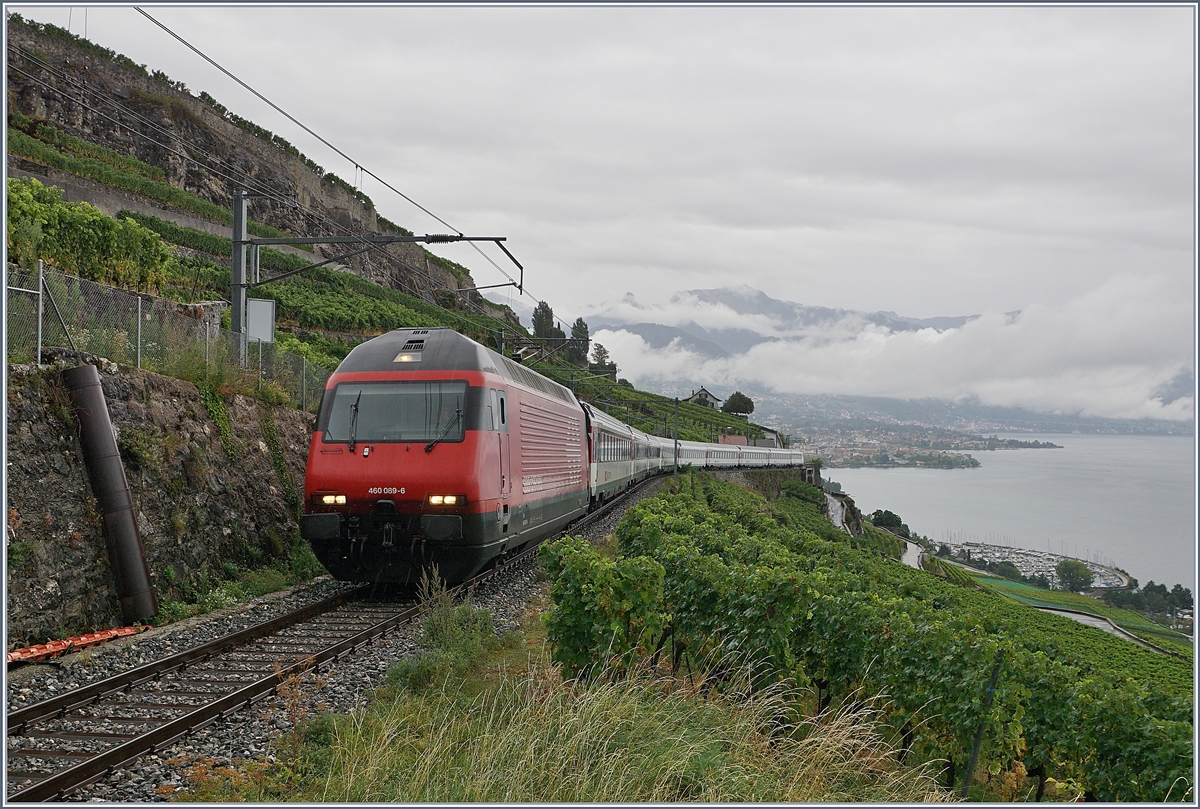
(204, 503)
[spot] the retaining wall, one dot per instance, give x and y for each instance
(201, 508)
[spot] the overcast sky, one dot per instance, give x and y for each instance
(930, 161)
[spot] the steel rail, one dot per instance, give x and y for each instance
(55, 786)
(170, 730)
(85, 695)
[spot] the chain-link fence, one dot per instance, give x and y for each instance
(149, 333)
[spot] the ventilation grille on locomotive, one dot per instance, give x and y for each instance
(531, 379)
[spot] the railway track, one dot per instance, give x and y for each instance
(66, 742)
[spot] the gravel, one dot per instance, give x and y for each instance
(252, 734)
(34, 682)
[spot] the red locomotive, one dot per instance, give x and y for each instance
(431, 449)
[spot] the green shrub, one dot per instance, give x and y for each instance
(302, 563)
(215, 405)
(140, 449)
(741, 585)
(454, 638)
(20, 553)
(263, 580)
(80, 239)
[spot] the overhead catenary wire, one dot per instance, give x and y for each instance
(216, 164)
(291, 118)
(358, 167)
(256, 185)
(232, 175)
(244, 178)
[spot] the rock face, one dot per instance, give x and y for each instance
(205, 503)
(87, 94)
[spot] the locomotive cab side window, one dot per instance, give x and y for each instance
(492, 421)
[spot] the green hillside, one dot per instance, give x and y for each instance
(321, 313)
(717, 578)
(1130, 621)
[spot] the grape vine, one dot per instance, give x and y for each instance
(746, 581)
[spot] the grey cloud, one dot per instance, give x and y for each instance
(1113, 351)
(924, 160)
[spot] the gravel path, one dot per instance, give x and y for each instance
(250, 735)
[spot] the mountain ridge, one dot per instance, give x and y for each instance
(783, 319)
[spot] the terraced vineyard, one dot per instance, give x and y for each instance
(714, 576)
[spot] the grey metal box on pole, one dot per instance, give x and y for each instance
(260, 319)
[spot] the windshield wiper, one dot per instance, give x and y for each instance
(354, 419)
(449, 424)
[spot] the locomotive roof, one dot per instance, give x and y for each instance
(443, 349)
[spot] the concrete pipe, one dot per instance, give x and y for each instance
(107, 474)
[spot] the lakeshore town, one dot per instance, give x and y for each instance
(1033, 563)
(894, 445)
(1040, 566)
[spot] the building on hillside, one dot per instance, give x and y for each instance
(736, 440)
(769, 439)
(704, 399)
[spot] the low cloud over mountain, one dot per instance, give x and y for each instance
(1120, 350)
(718, 323)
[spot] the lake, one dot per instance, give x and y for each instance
(1123, 500)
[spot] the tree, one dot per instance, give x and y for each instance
(1154, 597)
(543, 320)
(739, 404)
(1008, 570)
(1181, 597)
(1074, 575)
(885, 519)
(599, 355)
(577, 349)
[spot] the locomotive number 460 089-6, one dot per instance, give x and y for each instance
(385, 490)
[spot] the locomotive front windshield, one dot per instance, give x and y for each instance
(394, 411)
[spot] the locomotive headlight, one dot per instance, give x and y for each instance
(445, 499)
(333, 499)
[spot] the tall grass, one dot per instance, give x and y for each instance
(536, 738)
(472, 719)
